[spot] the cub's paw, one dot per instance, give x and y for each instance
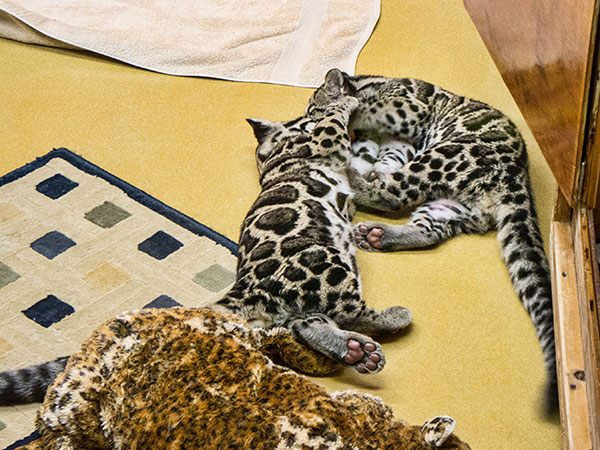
(351, 102)
(349, 348)
(364, 356)
(376, 178)
(399, 316)
(435, 431)
(368, 236)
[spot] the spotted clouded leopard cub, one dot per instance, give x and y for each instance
(296, 264)
(462, 164)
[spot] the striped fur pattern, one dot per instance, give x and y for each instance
(463, 165)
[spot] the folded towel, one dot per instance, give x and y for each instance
(290, 42)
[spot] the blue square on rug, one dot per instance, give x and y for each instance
(52, 244)
(160, 245)
(48, 311)
(163, 301)
(56, 186)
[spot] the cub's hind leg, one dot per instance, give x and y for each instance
(408, 187)
(282, 347)
(430, 224)
(375, 323)
(380, 156)
(393, 154)
(365, 150)
(348, 348)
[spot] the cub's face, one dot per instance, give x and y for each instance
(272, 138)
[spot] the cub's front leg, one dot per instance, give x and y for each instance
(374, 194)
(364, 155)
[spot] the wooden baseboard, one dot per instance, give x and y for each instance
(574, 413)
(586, 271)
(576, 321)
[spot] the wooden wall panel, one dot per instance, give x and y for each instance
(542, 49)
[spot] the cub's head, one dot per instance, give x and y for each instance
(435, 433)
(275, 138)
(335, 86)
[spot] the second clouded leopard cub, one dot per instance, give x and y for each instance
(462, 164)
(296, 264)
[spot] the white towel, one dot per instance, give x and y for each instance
(290, 42)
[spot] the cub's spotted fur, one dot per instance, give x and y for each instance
(462, 163)
(296, 264)
(200, 379)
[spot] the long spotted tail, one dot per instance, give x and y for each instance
(523, 252)
(29, 385)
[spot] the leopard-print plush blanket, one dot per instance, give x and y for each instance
(194, 378)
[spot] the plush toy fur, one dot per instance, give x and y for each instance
(201, 379)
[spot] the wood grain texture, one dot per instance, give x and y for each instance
(542, 49)
(562, 211)
(592, 225)
(574, 413)
(590, 192)
(590, 333)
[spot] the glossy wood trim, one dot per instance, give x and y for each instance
(543, 50)
(591, 180)
(597, 217)
(590, 332)
(595, 255)
(562, 211)
(591, 192)
(574, 414)
(588, 189)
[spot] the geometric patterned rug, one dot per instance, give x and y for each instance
(79, 246)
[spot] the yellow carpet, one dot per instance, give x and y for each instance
(471, 353)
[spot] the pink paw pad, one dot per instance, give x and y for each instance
(367, 239)
(362, 357)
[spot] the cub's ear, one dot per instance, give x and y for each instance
(435, 431)
(261, 128)
(334, 82)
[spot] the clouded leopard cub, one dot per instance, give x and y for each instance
(462, 163)
(296, 264)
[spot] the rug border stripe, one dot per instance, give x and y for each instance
(131, 191)
(26, 440)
